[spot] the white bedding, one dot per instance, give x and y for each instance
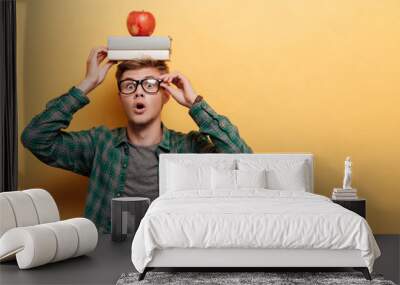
(250, 218)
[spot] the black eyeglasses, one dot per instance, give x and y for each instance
(150, 85)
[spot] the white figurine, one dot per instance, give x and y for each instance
(347, 174)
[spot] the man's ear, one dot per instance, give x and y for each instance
(165, 97)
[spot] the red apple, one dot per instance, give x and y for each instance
(140, 23)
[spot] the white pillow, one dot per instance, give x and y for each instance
(288, 179)
(229, 179)
(182, 177)
(223, 179)
(282, 174)
(256, 178)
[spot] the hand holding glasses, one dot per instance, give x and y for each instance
(149, 84)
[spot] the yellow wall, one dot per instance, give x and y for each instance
(294, 76)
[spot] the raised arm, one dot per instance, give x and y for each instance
(224, 135)
(44, 136)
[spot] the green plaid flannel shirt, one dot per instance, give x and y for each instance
(101, 153)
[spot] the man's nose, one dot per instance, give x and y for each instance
(139, 91)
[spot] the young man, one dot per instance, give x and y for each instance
(124, 161)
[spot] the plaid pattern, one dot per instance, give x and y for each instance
(102, 154)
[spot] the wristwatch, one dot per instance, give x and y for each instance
(198, 99)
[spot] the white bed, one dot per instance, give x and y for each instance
(193, 225)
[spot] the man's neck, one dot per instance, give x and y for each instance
(145, 135)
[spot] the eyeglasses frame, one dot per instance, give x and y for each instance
(139, 82)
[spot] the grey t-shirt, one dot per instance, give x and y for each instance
(142, 172)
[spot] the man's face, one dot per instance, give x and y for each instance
(142, 107)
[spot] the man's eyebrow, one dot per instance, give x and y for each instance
(148, 76)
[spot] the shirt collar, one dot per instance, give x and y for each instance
(122, 137)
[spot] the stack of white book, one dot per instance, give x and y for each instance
(129, 47)
(344, 194)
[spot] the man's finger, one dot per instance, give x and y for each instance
(108, 65)
(99, 50)
(166, 87)
(90, 57)
(92, 52)
(97, 56)
(111, 62)
(101, 57)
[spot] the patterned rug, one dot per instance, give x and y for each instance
(243, 278)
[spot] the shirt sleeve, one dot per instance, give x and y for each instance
(224, 135)
(43, 136)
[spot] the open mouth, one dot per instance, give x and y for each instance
(139, 108)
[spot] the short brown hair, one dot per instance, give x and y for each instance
(133, 64)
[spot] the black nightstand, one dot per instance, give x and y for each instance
(126, 214)
(357, 205)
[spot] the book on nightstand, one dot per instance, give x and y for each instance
(130, 47)
(344, 194)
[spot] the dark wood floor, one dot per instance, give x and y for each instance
(105, 264)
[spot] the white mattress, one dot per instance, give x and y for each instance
(250, 218)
